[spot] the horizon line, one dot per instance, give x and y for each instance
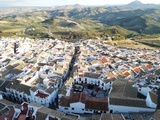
(10, 6)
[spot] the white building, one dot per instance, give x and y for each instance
(80, 103)
(94, 79)
(152, 100)
(123, 99)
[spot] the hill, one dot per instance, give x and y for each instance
(43, 24)
(78, 21)
(139, 5)
(140, 20)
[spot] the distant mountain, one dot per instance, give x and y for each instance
(69, 6)
(135, 3)
(139, 20)
(139, 5)
(132, 18)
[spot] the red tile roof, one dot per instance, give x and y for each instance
(78, 97)
(22, 115)
(149, 66)
(80, 75)
(133, 67)
(126, 73)
(144, 68)
(65, 101)
(9, 115)
(25, 108)
(90, 103)
(104, 60)
(41, 95)
(137, 70)
(96, 104)
(26, 80)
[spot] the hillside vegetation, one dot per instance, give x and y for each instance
(142, 21)
(44, 25)
(75, 21)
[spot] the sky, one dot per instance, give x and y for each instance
(4, 3)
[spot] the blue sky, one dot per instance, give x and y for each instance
(67, 2)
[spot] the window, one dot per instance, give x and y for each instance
(83, 109)
(85, 80)
(79, 79)
(66, 108)
(95, 111)
(102, 84)
(72, 108)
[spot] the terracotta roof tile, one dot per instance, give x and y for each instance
(96, 104)
(149, 66)
(133, 67)
(128, 102)
(78, 97)
(144, 68)
(126, 73)
(90, 103)
(41, 95)
(9, 114)
(137, 70)
(104, 60)
(65, 101)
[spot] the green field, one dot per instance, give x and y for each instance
(157, 42)
(44, 25)
(130, 44)
(83, 22)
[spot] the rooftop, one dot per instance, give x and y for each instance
(128, 102)
(123, 89)
(41, 95)
(154, 97)
(46, 111)
(92, 75)
(105, 116)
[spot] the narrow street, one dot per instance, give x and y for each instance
(72, 68)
